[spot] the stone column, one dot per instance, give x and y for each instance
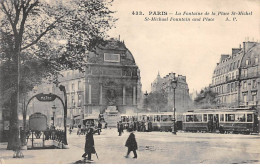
(89, 94)
(100, 94)
(134, 95)
(123, 94)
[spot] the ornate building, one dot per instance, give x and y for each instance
(112, 80)
(236, 77)
(182, 98)
(110, 85)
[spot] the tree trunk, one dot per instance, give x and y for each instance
(14, 142)
(13, 137)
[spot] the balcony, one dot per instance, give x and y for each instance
(243, 104)
(250, 75)
(252, 103)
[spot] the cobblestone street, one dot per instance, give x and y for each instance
(153, 148)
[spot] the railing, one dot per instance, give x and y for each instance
(57, 135)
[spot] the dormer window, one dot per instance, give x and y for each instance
(256, 60)
(247, 62)
(110, 57)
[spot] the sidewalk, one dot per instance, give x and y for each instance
(153, 148)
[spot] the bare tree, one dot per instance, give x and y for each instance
(42, 37)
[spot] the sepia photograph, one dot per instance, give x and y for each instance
(129, 82)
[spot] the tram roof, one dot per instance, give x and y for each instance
(150, 114)
(91, 117)
(228, 110)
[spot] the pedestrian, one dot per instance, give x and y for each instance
(120, 128)
(146, 126)
(99, 127)
(79, 130)
(89, 144)
(131, 144)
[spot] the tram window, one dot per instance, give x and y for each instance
(230, 117)
(222, 117)
(156, 118)
(205, 117)
(240, 118)
(198, 118)
(166, 118)
(189, 118)
(249, 117)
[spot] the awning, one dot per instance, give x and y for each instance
(77, 117)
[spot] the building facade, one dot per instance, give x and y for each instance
(110, 85)
(112, 79)
(182, 98)
(236, 77)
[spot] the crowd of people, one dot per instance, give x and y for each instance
(141, 126)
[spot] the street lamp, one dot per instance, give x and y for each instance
(53, 111)
(174, 86)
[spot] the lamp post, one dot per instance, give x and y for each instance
(174, 86)
(63, 89)
(53, 111)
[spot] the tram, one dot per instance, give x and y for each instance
(159, 121)
(235, 120)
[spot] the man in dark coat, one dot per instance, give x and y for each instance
(131, 144)
(89, 144)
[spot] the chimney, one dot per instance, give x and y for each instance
(248, 45)
(223, 57)
(235, 50)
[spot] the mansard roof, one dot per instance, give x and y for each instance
(251, 55)
(113, 44)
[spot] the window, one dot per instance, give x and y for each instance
(72, 87)
(244, 85)
(256, 60)
(245, 97)
(79, 100)
(245, 72)
(247, 62)
(198, 118)
(221, 117)
(79, 85)
(254, 84)
(240, 118)
(166, 118)
(72, 100)
(228, 88)
(254, 95)
(189, 118)
(157, 118)
(238, 63)
(110, 57)
(249, 117)
(230, 117)
(232, 87)
(205, 118)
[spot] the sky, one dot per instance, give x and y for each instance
(189, 48)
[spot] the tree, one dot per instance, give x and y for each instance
(39, 38)
(206, 98)
(157, 101)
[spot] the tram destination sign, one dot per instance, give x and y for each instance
(46, 97)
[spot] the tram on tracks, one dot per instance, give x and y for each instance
(234, 120)
(159, 121)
